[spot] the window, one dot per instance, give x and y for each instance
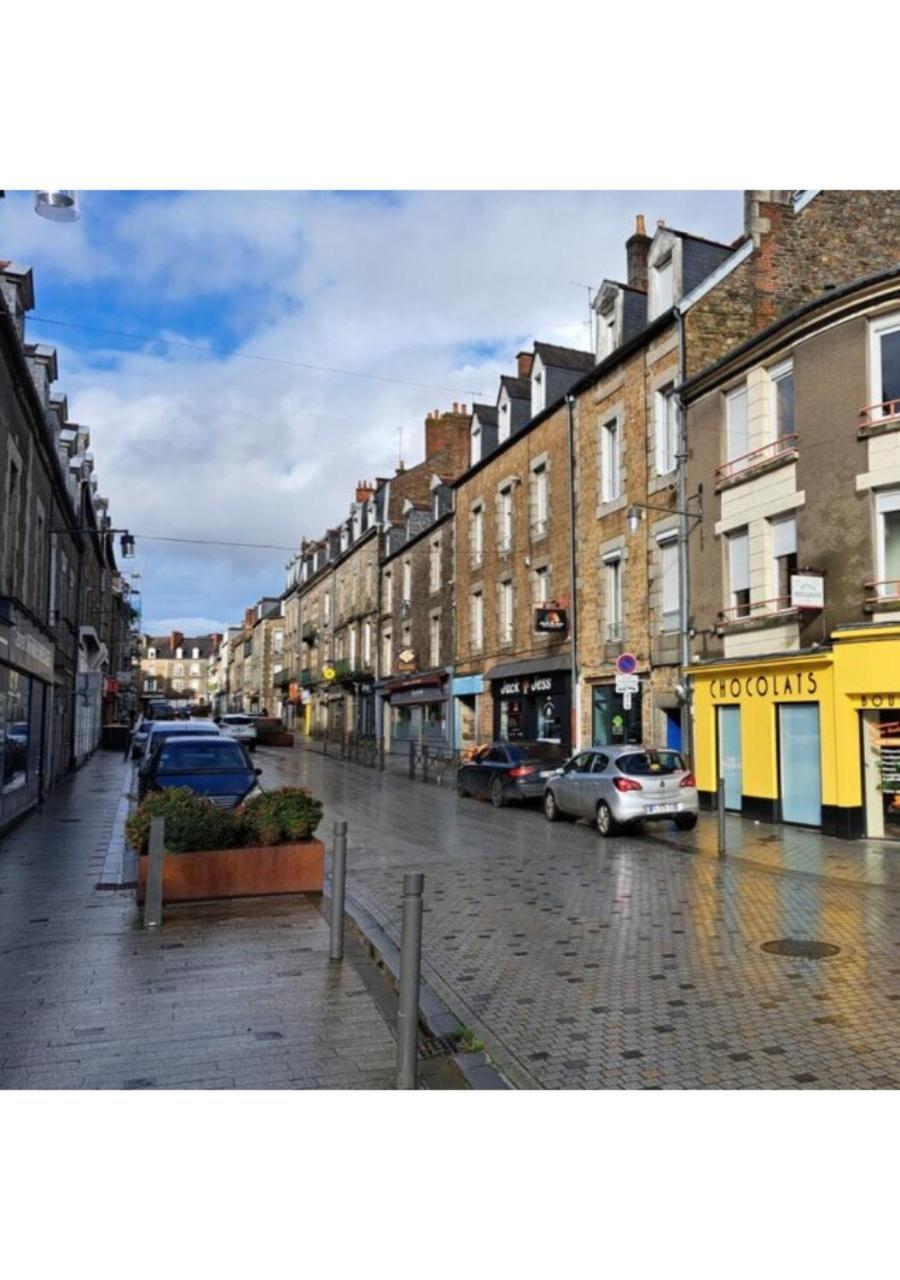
(195, 668)
(151, 652)
(737, 439)
(367, 644)
(885, 362)
(195, 653)
(613, 572)
(506, 611)
(195, 685)
(666, 421)
(434, 564)
(538, 390)
(406, 636)
(606, 334)
(150, 685)
(610, 462)
(178, 669)
(541, 586)
(784, 558)
(151, 669)
(476, 535)
(13, 524)
(179, 653)
(406, 593)
(178, 685)
(434, 639)
(539, 500)
(352, 654)
(477, 620)
(505, 518)
(475, 453)
(782, 379)
(387, 592)
(888, 545)
(386, 653)
(326, 608)
(503, 419)
(739, 572)
(668, 555)
(663, 278)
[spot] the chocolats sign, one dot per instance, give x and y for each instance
(550, 620)
(765, 684)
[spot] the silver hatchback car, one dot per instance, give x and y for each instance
(619, 786)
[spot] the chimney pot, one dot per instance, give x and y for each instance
(455, 407)
(524, 361)
(639, 227)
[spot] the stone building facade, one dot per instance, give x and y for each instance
(175, 667)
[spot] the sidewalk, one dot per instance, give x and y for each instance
(225, 995)
(791, 849)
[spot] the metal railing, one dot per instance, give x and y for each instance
(758, 610)
(783, 448)
(356, 747)
(877, 415)
(432, 763)
(883, 590)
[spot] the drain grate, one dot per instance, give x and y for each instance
(802, 948)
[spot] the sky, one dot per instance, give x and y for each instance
(439, 289)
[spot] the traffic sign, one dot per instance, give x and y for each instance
(627, 684)
(626, 701)
(626, 664)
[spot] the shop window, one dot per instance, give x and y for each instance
(15, 722)
(799, 754)
(402, 729)
(549, 719)
(434, 722)
(512, 719)
(739, 572)
(612, 723)
(784, 558)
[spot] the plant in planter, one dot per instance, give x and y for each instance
(280, 817)
(193, 823)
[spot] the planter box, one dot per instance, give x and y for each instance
(275, 738)
(240, 873)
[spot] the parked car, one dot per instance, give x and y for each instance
(139, 737)
(506, 771)
(177, 728)
(159, 709)
(618, 787)
(240, 727)
(210, 764)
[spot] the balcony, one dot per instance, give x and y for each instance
(877, 419)
(766, 458)
(882, 594)
(758, 613)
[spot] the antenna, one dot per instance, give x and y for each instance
(591, 290)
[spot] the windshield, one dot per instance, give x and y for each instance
(644, 763)
(236, 720)
(179, 756)
(535, 751)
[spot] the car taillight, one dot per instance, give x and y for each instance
(626, 784)
(522, 771)
(688, 780)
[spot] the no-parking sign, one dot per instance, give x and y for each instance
(626, 664)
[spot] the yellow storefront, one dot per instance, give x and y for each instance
(811, 739)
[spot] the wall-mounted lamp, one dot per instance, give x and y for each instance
(127, 545)
(635, 513)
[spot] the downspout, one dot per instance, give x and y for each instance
(575, 714)
(683, 532)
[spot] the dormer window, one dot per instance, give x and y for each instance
(503, 419)
(538, 389)
(606, 334)
(179, 653)
(475, 447)
(664, 285)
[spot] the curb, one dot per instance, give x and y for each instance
(476, 1069)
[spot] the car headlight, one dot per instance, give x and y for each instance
(255, 790)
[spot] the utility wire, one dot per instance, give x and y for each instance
(213, 542)
(243, 355)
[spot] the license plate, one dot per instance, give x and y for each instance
(661, 808)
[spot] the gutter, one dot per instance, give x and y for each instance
(575, 705)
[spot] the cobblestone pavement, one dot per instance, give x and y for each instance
(628, 963)
(225, 995)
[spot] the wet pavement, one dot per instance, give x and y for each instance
(225, 995)
(631, 963)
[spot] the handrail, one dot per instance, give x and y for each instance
(745, 462)
(875, 584)
(873, 414)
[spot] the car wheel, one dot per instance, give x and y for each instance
(461, 789)
(498, 799)
(686, 821)
(551, 808)
(606, 823)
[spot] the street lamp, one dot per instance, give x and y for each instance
(127, 544)
(56, 206)
(635, 513)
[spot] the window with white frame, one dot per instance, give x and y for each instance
(195, 685)
(151, 652)
(178, 685)
(884, 349)
(387, 653)
(150, 685)
(504, 417)
(475, 451)
(670, 571)
(476, 620)
(151, 669)
(540, 491)
(506, 611)
(476, 535)
(434, 564)
(278, 642)
(406, 592)
(387, 592)
(612, 569)
(367, 644)
(739, 572)
(666, 423)
(782, 380)
(540, 581)
(505, 518)
(434, 639)
(178, 669)
(664, 285)
(538, 389)
(195, 668)
(737, 440)
(887, 507)
(784, 558)
(406, 635)
(606, 333)
(179, 653)
(610, 461)
(352, 653)
(195, 652)
(326, 608)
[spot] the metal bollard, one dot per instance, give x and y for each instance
(381, 755)
(338, 877)
(720, 814)
(410, 972)
(324, 744)
(412, 759)
(425, 764)
(153, 890)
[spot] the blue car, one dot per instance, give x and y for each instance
(215, 767)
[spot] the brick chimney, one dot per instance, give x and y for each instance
(216, 639)
(249, 618)
(447, 440)
(524, 361)
(364, 491)
(637, 247)
(761, 207)
(176, 640)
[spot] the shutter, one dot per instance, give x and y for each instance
(739, 561)
(784, 537)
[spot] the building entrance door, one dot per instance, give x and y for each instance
(881, 773)
(801, 770)
(731, 761)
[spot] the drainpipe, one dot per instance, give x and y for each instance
(575, 714)
(683, 532)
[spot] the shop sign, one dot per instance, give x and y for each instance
(406, 660)
(788, 684)
(807, 591)
(525, 686)
(878, 700)
(551, 620)
(328, 673)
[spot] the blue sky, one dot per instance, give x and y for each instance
(440, 288)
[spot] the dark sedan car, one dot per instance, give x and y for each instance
(509, 771)
(211, 766)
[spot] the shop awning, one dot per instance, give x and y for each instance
(530, 666)
(436, 679)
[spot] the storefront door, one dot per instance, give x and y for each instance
(801, 770)
(731, 760)
(881, 773)
(612, 724)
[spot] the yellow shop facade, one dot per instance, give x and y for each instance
(810, 738)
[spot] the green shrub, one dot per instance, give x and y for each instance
(280, 817)
(192, 822)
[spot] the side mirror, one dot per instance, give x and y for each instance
(258, 772)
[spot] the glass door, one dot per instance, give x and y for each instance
(801, 775)
(730, 756)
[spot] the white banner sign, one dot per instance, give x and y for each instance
(627, 684)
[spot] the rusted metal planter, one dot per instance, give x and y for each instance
(258, 871)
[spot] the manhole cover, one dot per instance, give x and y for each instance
(803, 948)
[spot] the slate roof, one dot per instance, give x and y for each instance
(564, 357)
(486, 414)
(517, 388)
(164, 649)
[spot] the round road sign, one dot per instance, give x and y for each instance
(626, 664)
